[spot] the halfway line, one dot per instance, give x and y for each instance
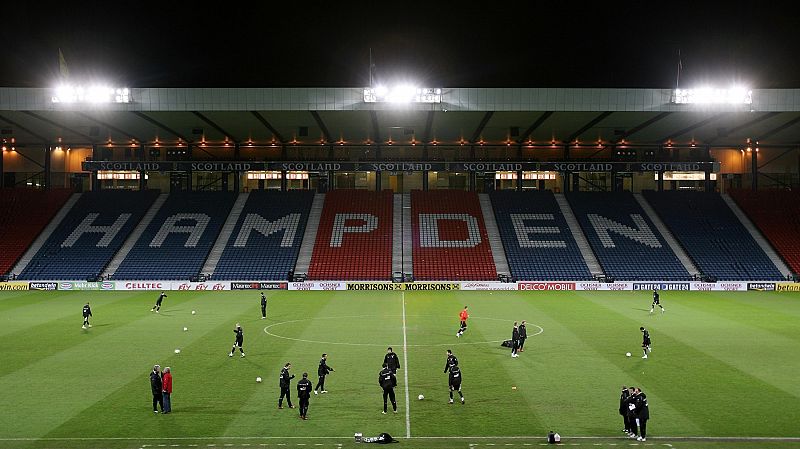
(405, 370)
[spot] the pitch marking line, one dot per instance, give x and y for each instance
(405, 370)
(268, 332)
(478, 437)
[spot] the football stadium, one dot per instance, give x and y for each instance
(645, 238)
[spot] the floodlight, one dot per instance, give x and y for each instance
(90, 94)
(404, 93)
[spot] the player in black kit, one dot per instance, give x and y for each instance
(455, 382)
(284, 384)
(656, 302)
(239, 339)
(642, 413)
(645, 342)
(157, 307)
(263, 306)
(304, 394)
(515, 340)
(387, 381)
(391, 360)
(450, 362)
(87, 312)
(322, 371)
(623, 408)
(523, 335)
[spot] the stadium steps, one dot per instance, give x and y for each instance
(112, 266)
(310, 235)
(676, 248)
(580, 239)
(498, 253)
(225, 234)
(397, 234)
(408, 235)
(757, 236)
(46, 232)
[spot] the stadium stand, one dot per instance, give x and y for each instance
(450, 238)
(24, 213)
(90, 235)
(354, 238)
(776, 213)
(178, 240)
(266, 240)
(712, 235)
(536, 238)
(625, 241)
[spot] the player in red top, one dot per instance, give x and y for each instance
(463, 316)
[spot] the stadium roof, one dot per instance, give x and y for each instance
(310, 116)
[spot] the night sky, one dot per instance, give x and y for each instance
(436, 44)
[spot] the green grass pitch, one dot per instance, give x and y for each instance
(723, 365)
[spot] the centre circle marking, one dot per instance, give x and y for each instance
(268, 332)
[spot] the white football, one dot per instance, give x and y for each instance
(185, 329)
(420, 397)
(193, 312)
(177, 351)
(258, 379)
(627, 354)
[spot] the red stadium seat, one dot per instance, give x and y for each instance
(354, 237)
(450, 238)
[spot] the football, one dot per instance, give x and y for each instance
(258, 379)
(177, 351)
(193, 312)
(627, 354)
(420, 397)
(185, 329)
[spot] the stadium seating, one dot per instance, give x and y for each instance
(266, 240)
(354, 238)
(625, 241)
(776, 213)
(712, 235)
(449, 237)
(89, 236)
(176, 243)
(534, 255)
(23, 215)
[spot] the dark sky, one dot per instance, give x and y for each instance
(435, 43)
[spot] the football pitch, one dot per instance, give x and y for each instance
(724, 370)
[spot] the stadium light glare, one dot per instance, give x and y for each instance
(99, 93)
(403, 93)
(710, 95)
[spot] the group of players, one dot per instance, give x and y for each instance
(633, 402)
(635, 412)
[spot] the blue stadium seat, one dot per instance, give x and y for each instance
(168, 249)
(549, 251)
(712, 235)
(625, 241)
(78, 248)
(249, 253)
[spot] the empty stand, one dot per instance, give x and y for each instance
(354, 239)
(712, 236)
(776, 213)
(625, 241)
(266, 239)
(176, 243)
(89, 236)
(450, 238)
(24, 213)
(537, 241)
